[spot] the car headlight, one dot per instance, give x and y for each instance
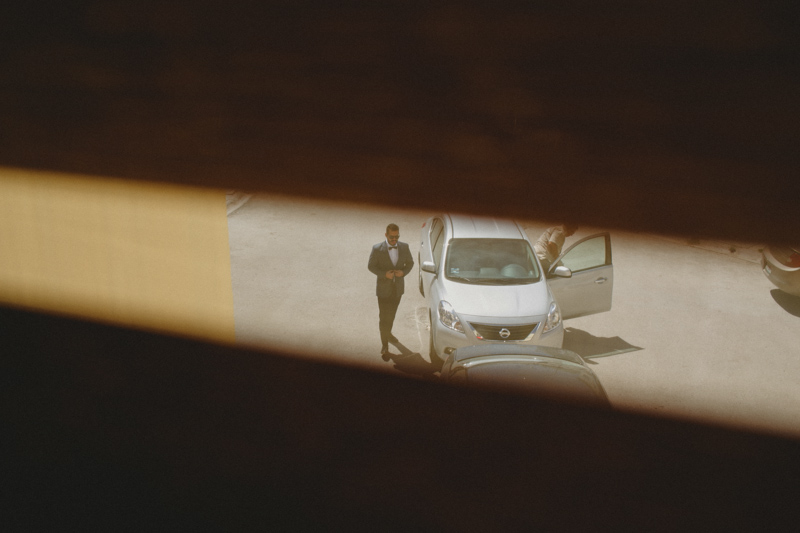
(553, 318)
(448, 317)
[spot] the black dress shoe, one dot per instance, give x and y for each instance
(385, 355)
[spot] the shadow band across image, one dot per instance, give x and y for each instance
(589, 346)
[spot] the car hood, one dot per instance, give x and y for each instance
(501, 301)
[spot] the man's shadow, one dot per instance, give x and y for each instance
(590, 347)
(411, 362)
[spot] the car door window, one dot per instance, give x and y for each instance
(590, 253)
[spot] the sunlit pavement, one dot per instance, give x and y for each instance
(696, 330)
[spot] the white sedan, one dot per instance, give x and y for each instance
(484, 284)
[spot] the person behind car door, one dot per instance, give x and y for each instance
(548, 246)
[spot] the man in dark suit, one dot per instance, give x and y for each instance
(390, 261)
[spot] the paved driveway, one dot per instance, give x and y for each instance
(695, 330)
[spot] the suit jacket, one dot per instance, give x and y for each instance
(380, 263)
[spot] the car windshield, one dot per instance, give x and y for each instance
(491, 262)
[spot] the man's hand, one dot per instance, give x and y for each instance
(390, 274)
(398, 273)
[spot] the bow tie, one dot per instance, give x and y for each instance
(393, 247)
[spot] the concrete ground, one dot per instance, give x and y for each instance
(696, 331)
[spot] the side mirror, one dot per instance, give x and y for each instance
(429, 266)
(562, 272)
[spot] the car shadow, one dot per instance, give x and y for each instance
(789, 303)
(590, 347)
(411, 362)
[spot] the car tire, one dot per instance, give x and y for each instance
(436, 361)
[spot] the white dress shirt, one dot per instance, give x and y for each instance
(393, 253)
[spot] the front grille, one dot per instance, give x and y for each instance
(490, 332)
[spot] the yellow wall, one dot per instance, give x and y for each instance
(139, 254)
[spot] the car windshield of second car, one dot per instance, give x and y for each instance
(491, 262)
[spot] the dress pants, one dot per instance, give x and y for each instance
(387, 309)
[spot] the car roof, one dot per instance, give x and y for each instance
(501, 349)
(470, 227)
(530, 375)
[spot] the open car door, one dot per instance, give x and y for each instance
(589, 289)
